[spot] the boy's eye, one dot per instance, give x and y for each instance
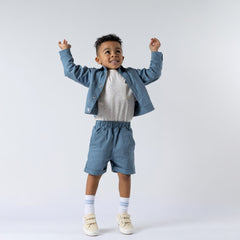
(118, 51)
(107, 52)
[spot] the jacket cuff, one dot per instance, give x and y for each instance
(65, 53)
(157, 56)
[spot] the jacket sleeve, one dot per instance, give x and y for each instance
(75, 72)
(154, 71)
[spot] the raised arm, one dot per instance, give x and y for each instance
(75, 72)
(154, 71)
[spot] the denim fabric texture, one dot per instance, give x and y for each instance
(95, 78)
(113, 142)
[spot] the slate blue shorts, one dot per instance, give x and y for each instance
(113, 142)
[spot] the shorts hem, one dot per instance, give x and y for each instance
(94, 172)
(124, 171)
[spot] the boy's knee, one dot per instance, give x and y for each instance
(95, 177)
(124, 177)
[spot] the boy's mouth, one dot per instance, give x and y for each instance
(114, 61)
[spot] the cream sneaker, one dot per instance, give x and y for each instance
(124, 223)
(90, 226)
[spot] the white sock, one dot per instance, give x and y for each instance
(123, 205)
(89, 204)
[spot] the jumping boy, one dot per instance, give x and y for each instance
(116, 94)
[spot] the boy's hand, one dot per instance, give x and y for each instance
(154, 44)
(64, 45)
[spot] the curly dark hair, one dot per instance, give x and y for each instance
(109, 37)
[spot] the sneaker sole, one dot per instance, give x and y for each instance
(90, 233)
(126, 233)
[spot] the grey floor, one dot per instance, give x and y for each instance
(221, 226)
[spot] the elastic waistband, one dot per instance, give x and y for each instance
(112, 124)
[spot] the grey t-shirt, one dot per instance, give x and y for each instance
(116, 102)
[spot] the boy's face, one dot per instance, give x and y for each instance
(110, 55)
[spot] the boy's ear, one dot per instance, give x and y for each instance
(98, 60)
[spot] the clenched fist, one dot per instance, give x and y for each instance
(154, 44)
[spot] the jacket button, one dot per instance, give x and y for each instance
(100, 85)
(88, 109)
(93, 97)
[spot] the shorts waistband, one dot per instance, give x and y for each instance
(112, 124)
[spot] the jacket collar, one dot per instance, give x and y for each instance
(120, 69)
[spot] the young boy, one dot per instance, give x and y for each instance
(116, 94)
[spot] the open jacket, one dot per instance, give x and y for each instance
(95, 78)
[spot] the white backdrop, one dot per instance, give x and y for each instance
(187, 150)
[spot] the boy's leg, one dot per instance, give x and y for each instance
(92, 184)
(123, 218)
(91, 189)
(124, 192)
(90, 225)
(124, 185)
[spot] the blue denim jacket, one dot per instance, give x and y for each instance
(95, 78)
